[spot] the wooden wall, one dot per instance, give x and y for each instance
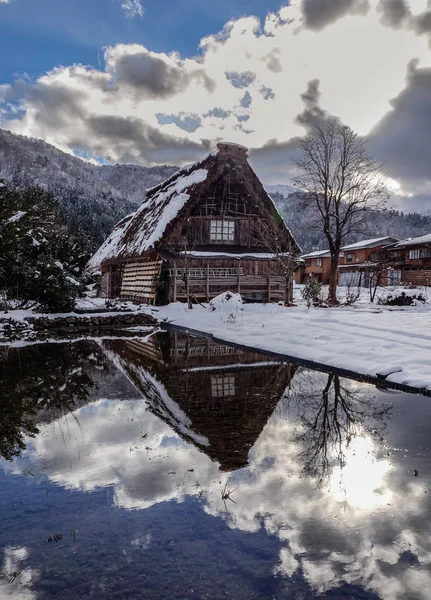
(417, 277)
(261, 280)
(195, 231)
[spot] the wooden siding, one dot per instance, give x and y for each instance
(262, 280)
(417, 277)
(195, 233)
(140, 280)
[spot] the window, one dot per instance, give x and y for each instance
(350, 258)
(419, 253)
(222, 386)
(308, 263)
(318, 262)
(222, 231)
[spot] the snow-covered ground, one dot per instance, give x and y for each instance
(365, 338)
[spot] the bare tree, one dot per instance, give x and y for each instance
(281, 246)
(332, 414)
(342, 181)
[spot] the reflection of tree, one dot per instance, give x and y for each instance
(331, 418)
(51, 378)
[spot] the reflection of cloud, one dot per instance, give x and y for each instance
(368, 528)
(120, 444)
(359, 482)
(16, 581)
(358, 531)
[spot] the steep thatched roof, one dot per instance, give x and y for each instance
(142, 230)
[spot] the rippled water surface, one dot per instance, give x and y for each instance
(173, 467)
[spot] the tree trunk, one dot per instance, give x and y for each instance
(333, 277)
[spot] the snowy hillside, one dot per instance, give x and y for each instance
(34, 162)
(93, 198)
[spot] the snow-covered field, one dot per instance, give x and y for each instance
(365, 338)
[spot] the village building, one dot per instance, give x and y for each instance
(314, 264)
(209, 228)
(411, 260)
(367, 260)
(358, 263)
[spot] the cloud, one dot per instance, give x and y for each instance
(402, 139)
(132, 8)
(151, 75)
(258, 83)
(395, 13)
(320, 13)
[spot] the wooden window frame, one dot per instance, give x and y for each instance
(222, 231)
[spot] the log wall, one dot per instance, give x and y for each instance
(417, 277)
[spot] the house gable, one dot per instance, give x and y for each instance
(230, 212)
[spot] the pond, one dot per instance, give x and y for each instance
(173, 467)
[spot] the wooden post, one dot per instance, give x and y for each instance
(110, 282)
(175, 281)
(239, 277)
(208, 282)
(269, 288)
(176, 346)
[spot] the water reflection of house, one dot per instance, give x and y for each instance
(215, 396)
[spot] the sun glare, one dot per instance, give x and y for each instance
(361, 481)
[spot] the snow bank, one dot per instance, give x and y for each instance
(226, 302)
(393, 342)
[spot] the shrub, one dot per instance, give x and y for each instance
(312, 292)
(401, 299)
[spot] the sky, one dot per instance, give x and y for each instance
(151, 82)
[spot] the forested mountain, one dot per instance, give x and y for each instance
(378, 223)
(93, 198)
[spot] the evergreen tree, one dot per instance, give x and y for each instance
(39, 260)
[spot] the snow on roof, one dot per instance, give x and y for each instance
(232, 145)
(370, 243)
(109, 245)
(423, 239)
(317, 254)
(141, 230)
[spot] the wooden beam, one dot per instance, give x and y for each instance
(175, 281)
(110, 282)
(269, 288)
(208, 282)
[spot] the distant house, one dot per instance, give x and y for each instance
(412, 260)
(209, 228)
(315, 264)
(363, 259)
(357, 262)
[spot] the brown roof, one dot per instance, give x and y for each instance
(163, 203)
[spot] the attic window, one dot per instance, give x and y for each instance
(222, 386)
(222, 231)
